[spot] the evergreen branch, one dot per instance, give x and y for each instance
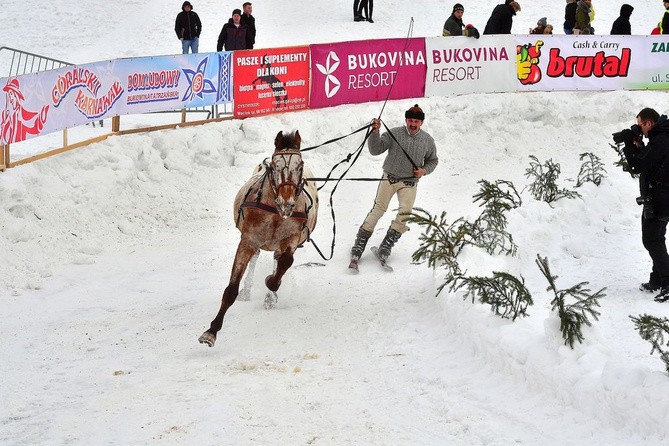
(507, 295)
(653, 329)
(572, 316)
(544, 187)
(592, 170)
(622, 161)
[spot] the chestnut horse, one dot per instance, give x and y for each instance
(275, 210)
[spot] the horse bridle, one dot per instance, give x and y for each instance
(284, 172)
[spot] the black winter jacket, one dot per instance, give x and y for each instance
(570, 15)
(622, 27)
(232, 37)
(500, 20)
(187, 25)
(652, 163)
(250, 23)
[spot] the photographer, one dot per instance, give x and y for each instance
(651, 162)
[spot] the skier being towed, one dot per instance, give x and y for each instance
(412, 154)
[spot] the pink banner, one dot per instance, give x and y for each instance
(364, 71)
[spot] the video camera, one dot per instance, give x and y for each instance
(631, 133)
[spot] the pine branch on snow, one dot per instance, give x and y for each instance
(572, 316)
(507, 295)
(592, 170)
(544, 186)
(653, 329)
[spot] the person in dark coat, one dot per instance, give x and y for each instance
(249, 21)
(582, 25)
(368, 7)
(622, 27)
(664, 23)
(188, 28)
(501, 19)
(570, 16)
(454, 26)
(233, 34)
(651, 162)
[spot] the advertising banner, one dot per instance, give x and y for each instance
(585, 62)
(274, 80)
(46, 102)
(369, 70)
(460, 65)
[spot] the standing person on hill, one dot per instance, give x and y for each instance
(650, 161)
(501, 19)
(412, 154)
(368, 6)
(454, 26)
(188, 28)
(233, 34)
(249, 21)
(664, 23)
(622, 26)
(583, 18)
(570, 16)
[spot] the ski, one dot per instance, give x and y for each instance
(353, 266)
(384, 265)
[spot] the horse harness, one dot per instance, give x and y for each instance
(280, 164)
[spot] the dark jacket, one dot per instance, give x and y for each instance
(664, 23)
(652, 164)
(453, 27)
(187, 25)
(570, 15)
(583, 17)
(500, 20)
(622, 27)
(250, 23)
(232, 37)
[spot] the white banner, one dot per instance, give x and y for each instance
(460, 65)
(592, 62)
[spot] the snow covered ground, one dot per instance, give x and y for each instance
(114, 258)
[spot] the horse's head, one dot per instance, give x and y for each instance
(286, 172)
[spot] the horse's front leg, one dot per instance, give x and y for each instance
(283, 261)
(242, 257)
(245, 292)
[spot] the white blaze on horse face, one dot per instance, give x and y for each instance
(287, 176)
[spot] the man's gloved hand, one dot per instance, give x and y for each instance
(470, 31)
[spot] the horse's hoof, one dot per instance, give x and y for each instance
(271, 283)
(207, 338)
(271, 299)
(244, 295)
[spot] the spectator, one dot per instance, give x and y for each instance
(368, 6)
(501, 19)
(542, 27)
(622, 27)
(356, 16)
(188, 28)
(454, 25)
(664, 23)
(233, 34)
(583, 18)
(570, 16)
(250, 22)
